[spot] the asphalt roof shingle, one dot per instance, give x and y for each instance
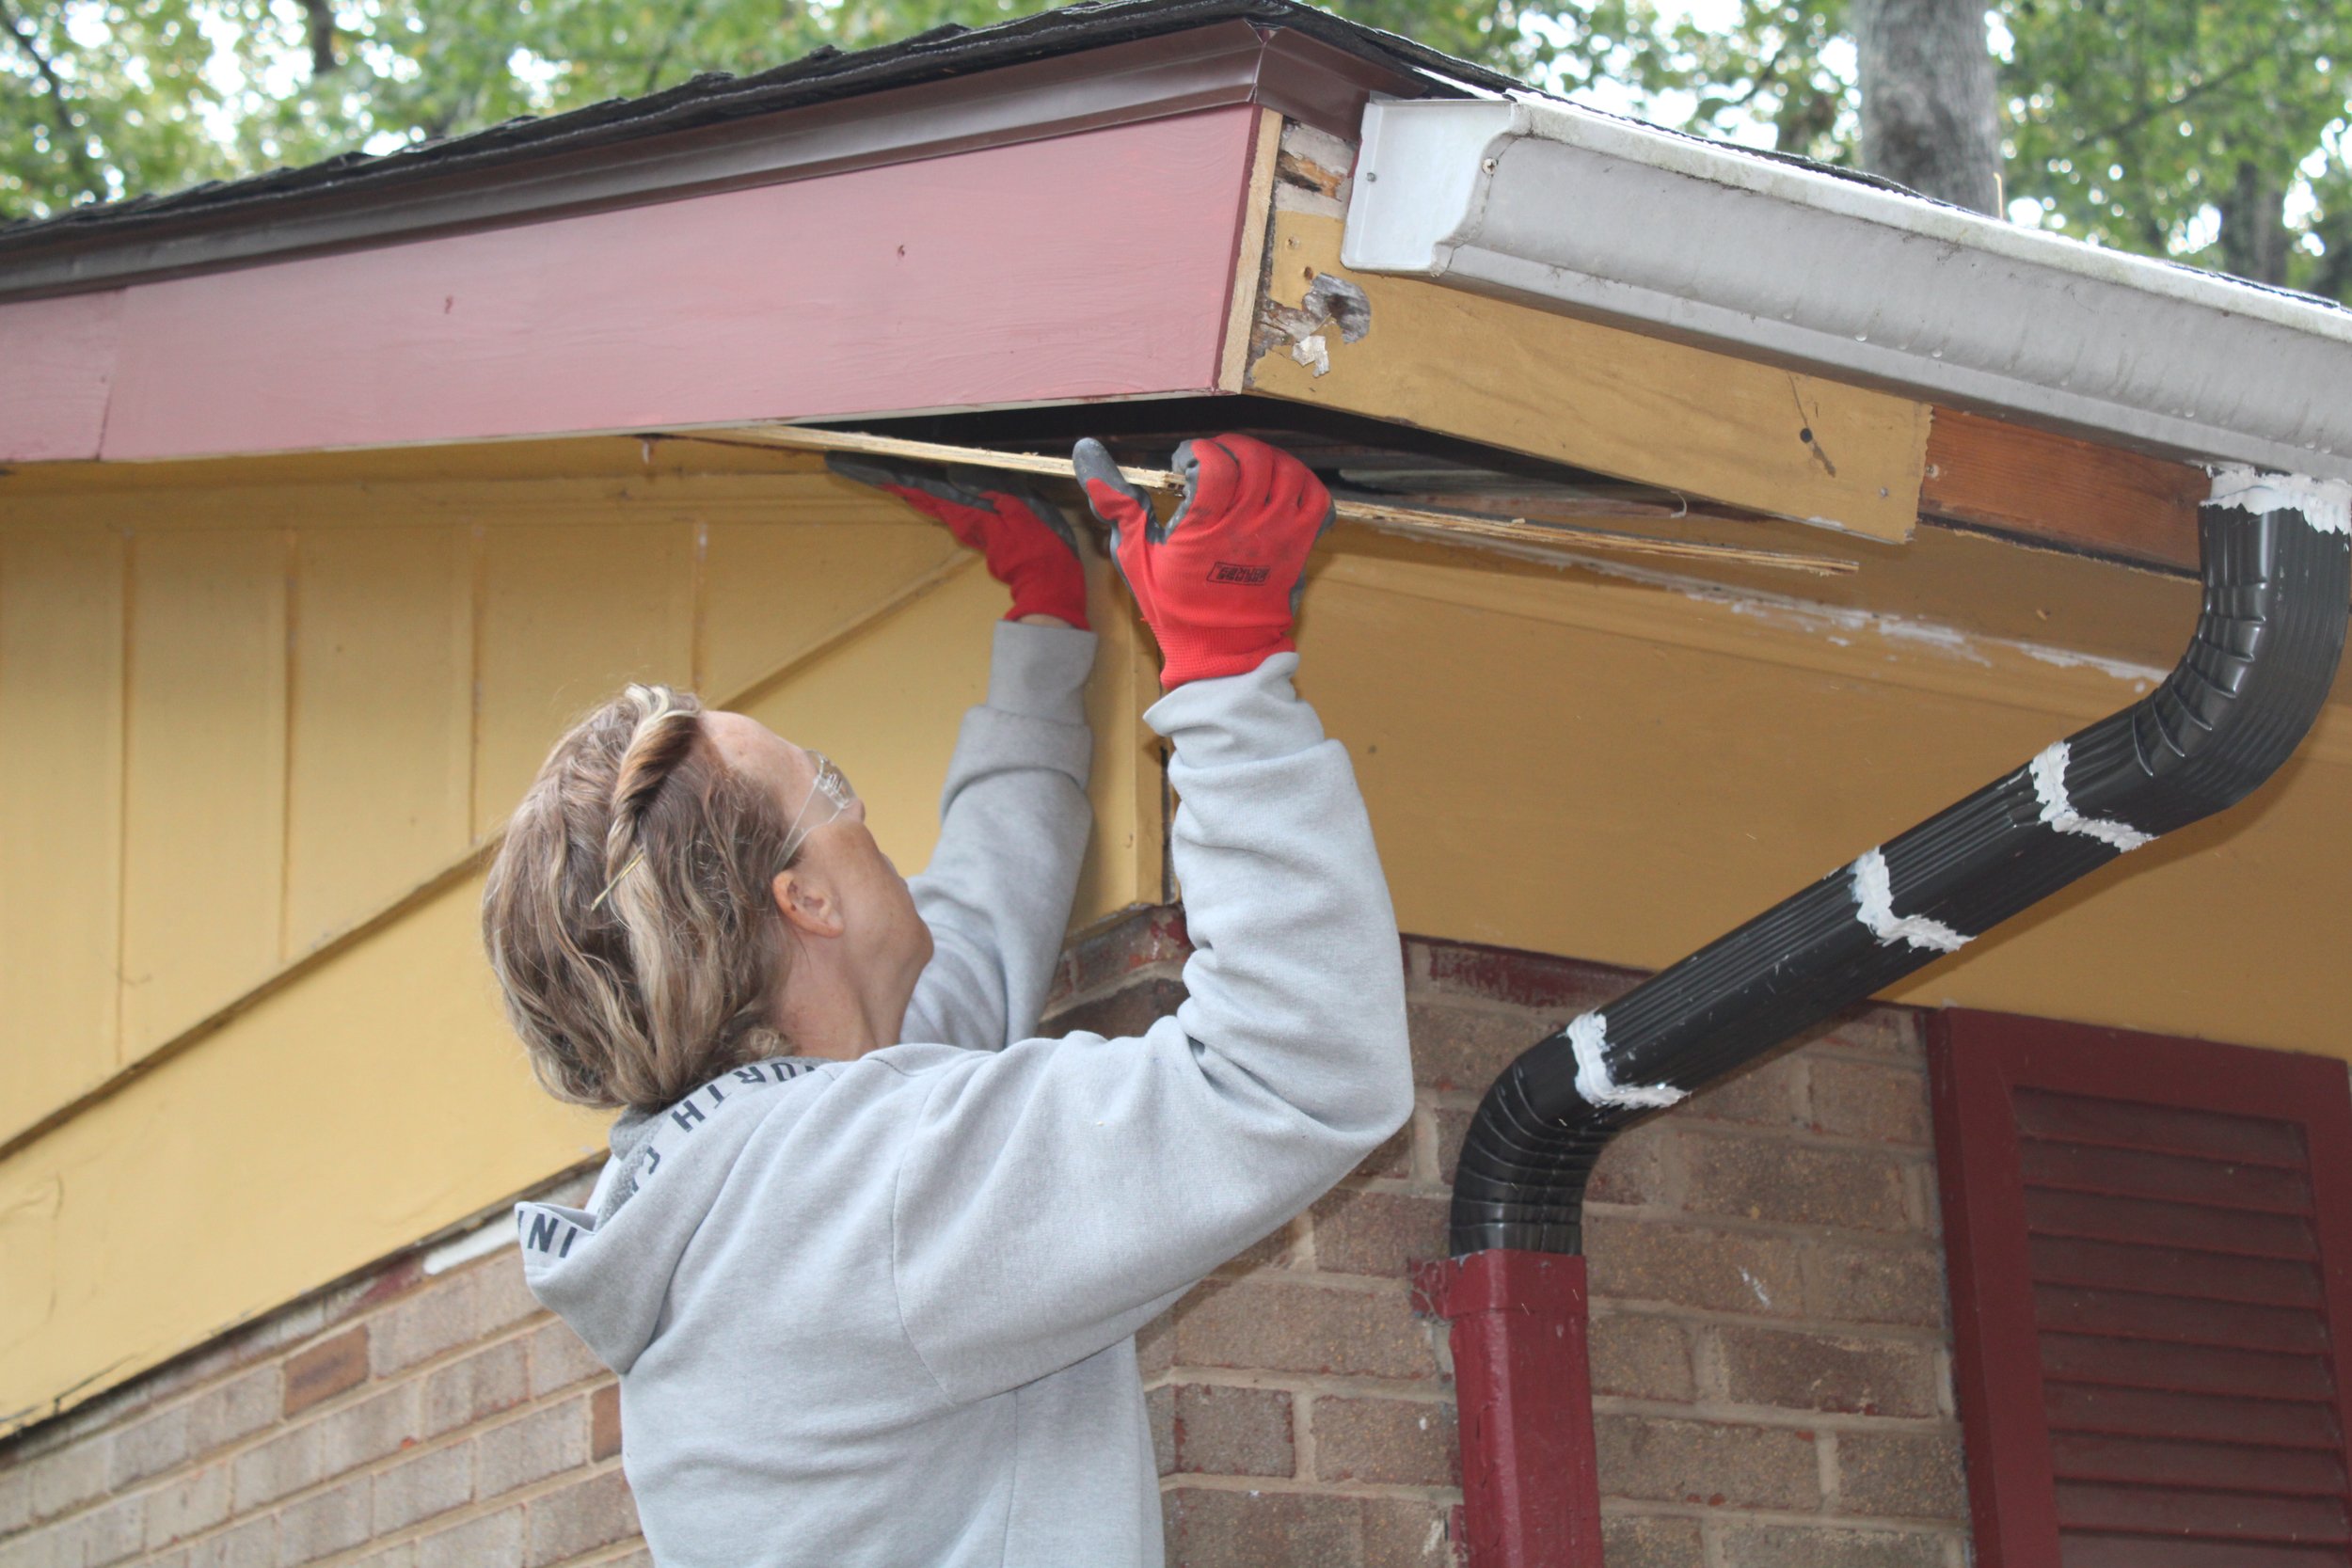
(825, 76)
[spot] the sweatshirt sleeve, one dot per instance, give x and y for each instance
(1013, 825)
(1057, 1195)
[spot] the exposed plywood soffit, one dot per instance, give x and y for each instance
(1461, 524)
(2023, 483)
(1568, 391)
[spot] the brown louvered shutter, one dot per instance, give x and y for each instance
(2150, 1250)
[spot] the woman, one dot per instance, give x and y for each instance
(869, 1257)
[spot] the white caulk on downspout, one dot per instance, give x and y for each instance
(1588, 1037)
(2049, 785)
(1874, 905)
(2325, 503)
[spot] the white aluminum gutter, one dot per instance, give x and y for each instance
(1539, 200)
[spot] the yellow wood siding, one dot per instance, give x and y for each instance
(204, 778)
(60, 814)
(570, 614)
(1554, 758)
(359, 1108)
(1624, 774)
(272, 713)
(381, 772)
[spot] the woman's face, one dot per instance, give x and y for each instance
(883, 941)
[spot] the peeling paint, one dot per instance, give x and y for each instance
(1836, 625)
(2143, 676)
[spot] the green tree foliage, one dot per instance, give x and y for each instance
(2214, 131)
(2211, 130)
(104, 99)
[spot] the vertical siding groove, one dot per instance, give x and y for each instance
(286, 784)
(479, 564)
(698, 653)
(122, 799)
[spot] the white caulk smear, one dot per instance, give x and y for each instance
(1874, 905)
(2049, 785)
(2325, 503)
(1588, 1037)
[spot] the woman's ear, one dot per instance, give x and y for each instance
(806, 903)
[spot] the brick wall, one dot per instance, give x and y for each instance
(410, 1419)
(1770, 1354)
(1771, 1365)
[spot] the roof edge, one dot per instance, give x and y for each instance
(1077, 68)
(1548, 202)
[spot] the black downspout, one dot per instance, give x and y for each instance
(2277, 588)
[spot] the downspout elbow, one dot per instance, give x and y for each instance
(2258, 667)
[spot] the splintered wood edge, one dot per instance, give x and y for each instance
(1514, 529)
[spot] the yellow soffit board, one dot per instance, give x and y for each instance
(1590, 396)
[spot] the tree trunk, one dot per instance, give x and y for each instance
(324, 61)
(2253, 227)
(1928, 117)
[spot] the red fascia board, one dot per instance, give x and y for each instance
(1092, 265)
(1205, 68)
(57, 364)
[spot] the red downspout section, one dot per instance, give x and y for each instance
(1522, 1376)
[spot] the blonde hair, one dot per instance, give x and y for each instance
(628, 913)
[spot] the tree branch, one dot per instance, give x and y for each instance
(2125, 127)
(1767, 75)
(669, 44)
(73, 137)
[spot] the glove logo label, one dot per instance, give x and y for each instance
(1235, 572)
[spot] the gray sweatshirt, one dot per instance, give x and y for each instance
(882, 1312)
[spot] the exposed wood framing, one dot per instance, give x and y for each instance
(1453, 527)
(2061, 488)
(1257, 205)
(1596, 397)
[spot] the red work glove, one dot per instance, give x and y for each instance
(1024, 537)
(1220, 581)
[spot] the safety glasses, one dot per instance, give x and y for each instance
(831, 786)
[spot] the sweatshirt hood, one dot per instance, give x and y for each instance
(606, 1269)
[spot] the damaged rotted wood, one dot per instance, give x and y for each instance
(1311, 172)
(1297, 169)
(1331, 304)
